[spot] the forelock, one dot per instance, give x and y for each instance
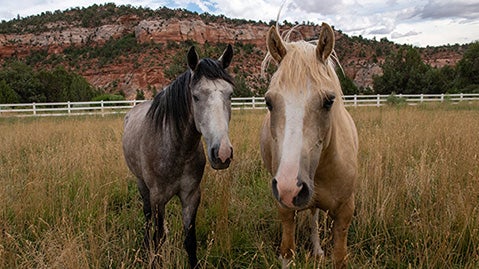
(212, 70)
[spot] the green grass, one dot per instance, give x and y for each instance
(67, 199)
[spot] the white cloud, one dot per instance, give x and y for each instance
(451, 9)
(396, 35)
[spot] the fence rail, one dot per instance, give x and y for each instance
(115, 107)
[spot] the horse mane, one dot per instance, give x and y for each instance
(173, 104)
(298, 66)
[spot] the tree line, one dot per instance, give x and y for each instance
(20, 83)
(404, 72)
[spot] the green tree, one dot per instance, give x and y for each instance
(403, 72)
(22, 79)
(140, 95)
(80, 89)
(57, 85)
(347, 84)
(7, 94)
(468, 69)
(440, 80)
(60, 85)
(241, 87)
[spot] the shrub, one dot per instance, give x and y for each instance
(394, 100)
(108, 97)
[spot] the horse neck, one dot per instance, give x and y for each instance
(191, 137)
(171, 114)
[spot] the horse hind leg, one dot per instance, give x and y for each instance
(317, 250)
(190, 203)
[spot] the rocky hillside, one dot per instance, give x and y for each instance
(120, 48)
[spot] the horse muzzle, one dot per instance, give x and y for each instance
(293, 196)
(220, 156)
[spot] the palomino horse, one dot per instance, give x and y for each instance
(162, 142)
(309, 141)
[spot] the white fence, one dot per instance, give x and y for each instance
(115, 107)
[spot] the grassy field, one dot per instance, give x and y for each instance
(67, 199)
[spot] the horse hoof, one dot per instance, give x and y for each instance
(285, 263)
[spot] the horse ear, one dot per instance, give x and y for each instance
(325, 42)
(226, 57)
(275, 45)
(192, 58)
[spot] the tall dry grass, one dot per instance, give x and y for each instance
(67, 199)
(418, 196)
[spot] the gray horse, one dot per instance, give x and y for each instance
(162, 142)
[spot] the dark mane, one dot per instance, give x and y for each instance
(172, 105)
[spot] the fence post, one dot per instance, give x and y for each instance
(461, 98)
(69, 108)
(378, 100)
(422, 98)
(253, 101)
(442, 97)
(355, 100)
(34, 107)
(102, 108)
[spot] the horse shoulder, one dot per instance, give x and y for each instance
(337, 171)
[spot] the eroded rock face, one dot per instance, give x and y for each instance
(162, 31)
(364, 75)
(144, 74)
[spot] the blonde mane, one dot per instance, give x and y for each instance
(300, 66)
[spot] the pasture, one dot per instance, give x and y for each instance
(67, 199)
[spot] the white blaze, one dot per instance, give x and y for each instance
(288, 168)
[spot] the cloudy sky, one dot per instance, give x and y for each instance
(419, 22)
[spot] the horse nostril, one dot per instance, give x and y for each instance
(303, 196)
(274, 186)
(214, 153)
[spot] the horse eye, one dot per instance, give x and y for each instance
(268, 104)
(328, 102)
(195, 97)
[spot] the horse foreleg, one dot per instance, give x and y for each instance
(317, 250)
(157, 203)
(342, 220)
(154, 210)
(190, 203)
(287, 249)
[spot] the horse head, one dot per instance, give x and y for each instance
(211, 89)
(300, 100)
